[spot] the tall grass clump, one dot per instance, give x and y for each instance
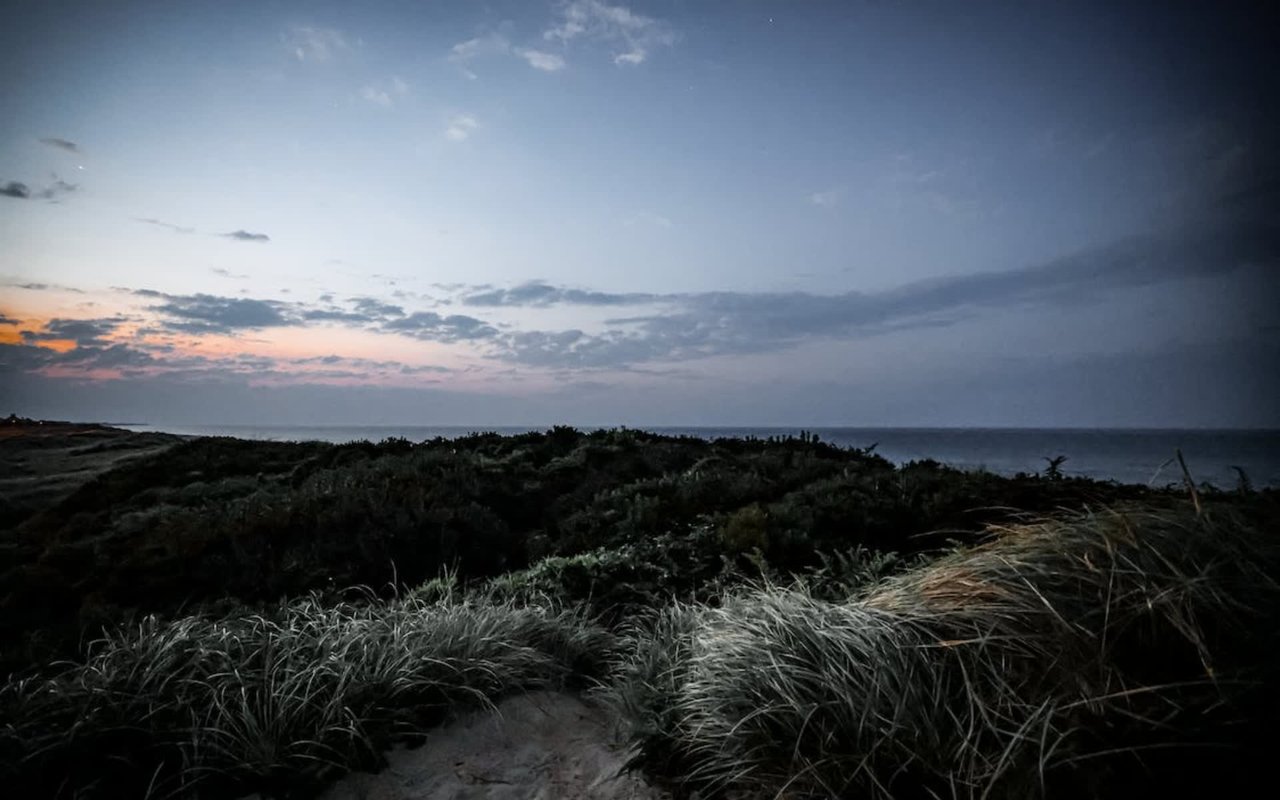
(1098, 654)
(221, 707)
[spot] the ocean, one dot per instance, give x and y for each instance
(1124, 455)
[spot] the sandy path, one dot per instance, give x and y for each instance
(543, 745)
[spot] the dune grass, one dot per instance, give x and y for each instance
(221, 707)
(1128, 652)
(1074, 657)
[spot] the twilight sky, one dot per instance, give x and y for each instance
(644, 213)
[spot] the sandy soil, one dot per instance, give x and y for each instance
(543, 745)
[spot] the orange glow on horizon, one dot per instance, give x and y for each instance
(58, 345)
(378, 357)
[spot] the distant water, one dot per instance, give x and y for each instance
(1127, 456)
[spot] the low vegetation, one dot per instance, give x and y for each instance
(1097, 655)
(780, 615)
(213, 520)
(275, 703)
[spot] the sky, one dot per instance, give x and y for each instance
(592, 212)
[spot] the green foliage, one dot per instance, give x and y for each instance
(746, 530)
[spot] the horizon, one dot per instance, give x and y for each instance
(646, 214)
(810, 428)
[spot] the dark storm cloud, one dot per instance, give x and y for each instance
(246, 236)
(205, 313)
(15, 189)
(84, 332)
(430, 326)
(166, 225)
(538, 293)
(61, 144)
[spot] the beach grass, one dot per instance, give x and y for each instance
(198, 706)
(1062, 658)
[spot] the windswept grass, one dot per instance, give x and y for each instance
(222, 707)
(1097, 654)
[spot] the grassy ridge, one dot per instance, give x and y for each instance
(256, 522)
(779, 614)
(1065, 657)
(1109, 654)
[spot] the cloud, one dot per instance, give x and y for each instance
(246, 236)
(34, 286)
(367, 310)
(238, 235)
(636, 34)
(368, 364)
(30, 358)
(55, 190)
(314, 44)
(649, 218)
(705, 324)
(431, 326)
(385, 94)
(205, 313)
(827, 198)
(547, 62)
(84, 332)
(376, 96)
(671, 327)
(336, 315)
(463, 53)
(4, 320)
(376, 308)
(166, 225)
(461, 127)
(540, 294)
(61, 144)
(498, 45)
(226, 273)
(20, 191)
(490, 44)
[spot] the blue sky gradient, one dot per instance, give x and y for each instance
(642, 213)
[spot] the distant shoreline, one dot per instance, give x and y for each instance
(1224, 457)
(161, 426)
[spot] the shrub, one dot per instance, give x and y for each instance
(746, 530)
